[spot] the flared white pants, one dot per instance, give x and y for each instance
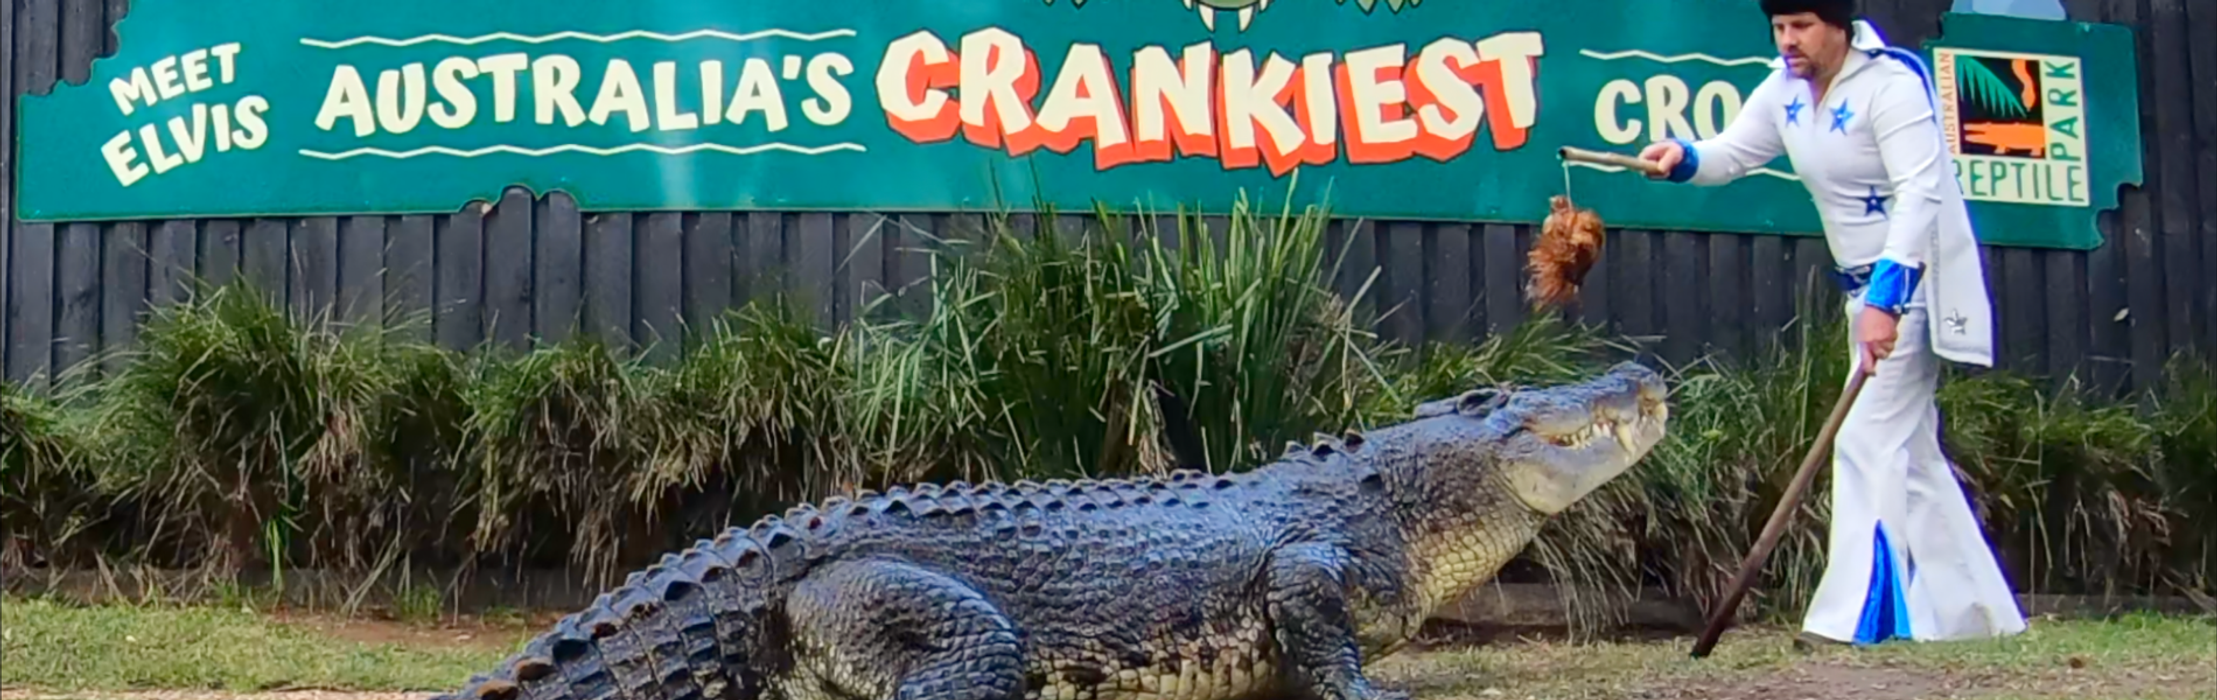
(1905, 557)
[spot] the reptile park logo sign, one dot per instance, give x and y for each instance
(1447, 110)
(2019, 138)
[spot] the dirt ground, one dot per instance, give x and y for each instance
(471, 632)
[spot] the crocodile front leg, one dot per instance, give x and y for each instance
(1306, 593)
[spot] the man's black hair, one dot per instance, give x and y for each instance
(1838, 13)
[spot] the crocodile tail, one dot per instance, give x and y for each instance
(689, 627)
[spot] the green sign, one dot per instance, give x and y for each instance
(1451, 110)
(2042, 119)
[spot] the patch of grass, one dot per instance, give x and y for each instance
(2140, 656)
(53, 647)
(57, 648)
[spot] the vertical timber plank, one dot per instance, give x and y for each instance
(262, 258)
(1481, 321)
(84, 35)
(2172, 104)
(458, 302)
(123, 290)
(361, 298)
(35, 53)
(1997, 285)
(508, 261)
(908, 258)
(315, 269)
(1729, 301)
(7, 171)
(2201, 20)
(1685, 322)
(659, 280)
(79, 256)
(963, 230)
(1358, 263)
(608, 280)
(174, 253)
(220, 240)
(2066, 312)
(2143, 252)
(1503, 279)
(816, 264)
(116, 10)
(1404, 252)
(708, 258)
(559, 263)
(1770, 299)
(1634, 285)
(761, 260)
(1447, 294)
(2109, 327)
(30, 312)
(865, 262)
(2026, 332)
(1813, 285)
(411, 276)
(842, 307)
(77, 286)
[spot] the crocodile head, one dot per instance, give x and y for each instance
(1549, 446)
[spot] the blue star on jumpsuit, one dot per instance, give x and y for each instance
(1874, 203)
(1793, 111)
(1840, 117)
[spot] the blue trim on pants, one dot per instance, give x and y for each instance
(1885, 610)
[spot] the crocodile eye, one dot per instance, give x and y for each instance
(1479, 402)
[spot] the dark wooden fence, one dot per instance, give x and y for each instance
(524, 268)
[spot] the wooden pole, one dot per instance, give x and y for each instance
(1788, 502)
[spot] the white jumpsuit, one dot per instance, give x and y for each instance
(1905, 557)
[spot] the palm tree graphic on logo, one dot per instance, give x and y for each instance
(2000, 104)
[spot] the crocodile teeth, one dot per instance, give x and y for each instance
(1263, 5)
(1189, 4)
(1208, 17)
(1246, 15)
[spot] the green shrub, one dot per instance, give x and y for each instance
(48, 491)
(247, 435)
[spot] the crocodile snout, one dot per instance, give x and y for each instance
(1590, 432)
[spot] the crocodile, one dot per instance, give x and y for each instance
(1286, 579)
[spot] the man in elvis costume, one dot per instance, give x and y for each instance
(1859, 119)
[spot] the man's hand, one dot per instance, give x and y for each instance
(1877, 330)
(1663, 153)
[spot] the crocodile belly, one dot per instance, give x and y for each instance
(1224, 659)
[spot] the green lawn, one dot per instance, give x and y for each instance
(2135, 656)
(58, 650)
(55, 647)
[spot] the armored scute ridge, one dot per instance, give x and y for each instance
(1285, 579)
